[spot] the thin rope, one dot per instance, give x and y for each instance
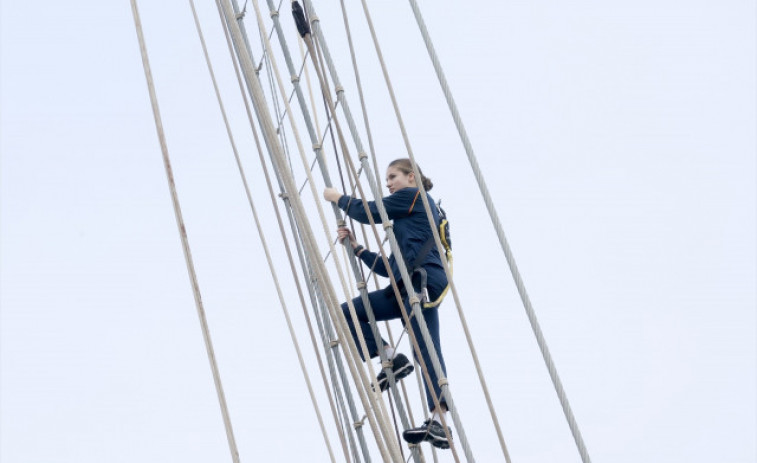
(416, 311)
(394, 344)
(387, 326)
(289, 99)
(440, 248)
(355, 268)
(184, 240)
(326, 97)
(368, 131)
(394, 245)
(299, 211)
(370, 144)
(364, 295)
(393, 242)
(371, 378)
(325, 336)
(360, 94)
(331, 107)
(267, 252)
(267, 44)
(263, 57)
(305, 112)
(315, 299)
(501, 235)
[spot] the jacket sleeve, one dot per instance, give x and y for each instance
(374, 260)
(397, 205)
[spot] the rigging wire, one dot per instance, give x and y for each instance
(286, 176)
(315, 303)
(416, 310)
(291, 96)
(530, 312)
(354, 176)
(364, 296)
(363, 105)
(324, 335)
(439, 246)
(184, 239)
(390, 233)
(373, 157)
(267, 251)
(317, 147)
(263, 56)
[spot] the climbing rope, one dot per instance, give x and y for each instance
(354, 174)
(279, 161)
(322, 291)
(416, 312)
(268, 256)
(361, 95)
(393, 243)
(450, 401)
(282, 41)
(317, 298)
(326, 93)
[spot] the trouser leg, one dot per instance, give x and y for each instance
(384, 308)
(431, 316)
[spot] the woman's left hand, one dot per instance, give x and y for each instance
(332, 194)
(344, 233)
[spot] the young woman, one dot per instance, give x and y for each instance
(411, 228)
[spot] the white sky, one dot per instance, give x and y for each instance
(618, 142)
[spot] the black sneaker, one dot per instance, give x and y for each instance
(431, 431)
(401, 367)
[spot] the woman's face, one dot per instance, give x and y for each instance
(397, 180)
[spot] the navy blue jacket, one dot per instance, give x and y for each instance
(411, 228)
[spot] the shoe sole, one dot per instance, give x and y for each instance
(415, 438)
(436, 441)
(398, 375)
(439, 443)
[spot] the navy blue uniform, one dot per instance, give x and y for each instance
(412, 230)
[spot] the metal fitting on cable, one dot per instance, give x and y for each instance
(333, 344)
(359, 424)
(362, 156)
(314, 19)
(274, 13)
(295, 79)
(388, 225)
(317, 146)
(387, 364)
(361, 285)
(284, 195)
(341, 223)
(443, 382)
(338, 89)
(414, 300)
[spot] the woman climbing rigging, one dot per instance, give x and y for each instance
(412, 230)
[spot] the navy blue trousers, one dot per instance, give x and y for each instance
(385, 307)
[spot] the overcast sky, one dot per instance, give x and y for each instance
(618, 143)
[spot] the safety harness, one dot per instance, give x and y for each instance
(444, 236)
